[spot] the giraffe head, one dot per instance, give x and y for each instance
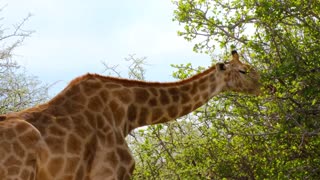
(239, 77)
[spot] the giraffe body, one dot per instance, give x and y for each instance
(80, 134)
(19, 144)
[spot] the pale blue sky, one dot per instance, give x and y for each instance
(72, 37)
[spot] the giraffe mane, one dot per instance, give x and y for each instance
(131, 82)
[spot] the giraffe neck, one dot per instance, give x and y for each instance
(169, 101)
(128, 104)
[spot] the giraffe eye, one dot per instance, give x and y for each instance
(243, 71)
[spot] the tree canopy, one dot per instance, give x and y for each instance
(235, 136)
(18, 90)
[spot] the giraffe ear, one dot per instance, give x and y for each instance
(235, 56)
(221, 67)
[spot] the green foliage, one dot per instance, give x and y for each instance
(235, 136)
(19, 91)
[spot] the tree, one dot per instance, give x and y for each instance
(17, 89)
(273, 136)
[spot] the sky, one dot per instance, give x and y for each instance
(73, 37)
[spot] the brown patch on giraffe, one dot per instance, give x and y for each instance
(186, 109)
(119, 138)
(173, 111)
(67, 177)
(82, 130)
(71, 164)
(74, 90)
(18, 149)
(58, 100)
(13, 170)
(32, 175)
(154, 91)
(107, 172)
(104, 95)
(91, 119)
(90, 87)
(70, 107)
(143, 116)
(80, 172)
(162, 120)
(29, 138)
(81, 127)
(196, 97)
(12, 161)
(123, 94)
(197, 105)
(107, 115)
(55, 165)
(124, 155)
(194, 89)
(22, 127)
(64, 122)
(104, 172)
(2, 172)
(55, 144)
(56, 131)
(205, 96)
(113, 105)
(121, 172)
(186, 87)
(132, 112)
(43, 175)
(212, 78)
(175, 94)
(129, 127)
(95, 104)
(25, 174)
(112, 158)
(100, 120)
(78, 98)
(156, 114)
(30, 160)
(203, 87)
(185, 98)
(153, 102)
(117, 111)
(173, 91)
(89, 152)
(10, 133)
(141, 95)
(164, 98)
(175, 98)
(110, 139)
(203, 80)
(5, 147)
(74, 144)
(101, 137)
(213, 86)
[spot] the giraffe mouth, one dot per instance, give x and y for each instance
(2, 118)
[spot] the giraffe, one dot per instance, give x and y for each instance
(80, 133)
